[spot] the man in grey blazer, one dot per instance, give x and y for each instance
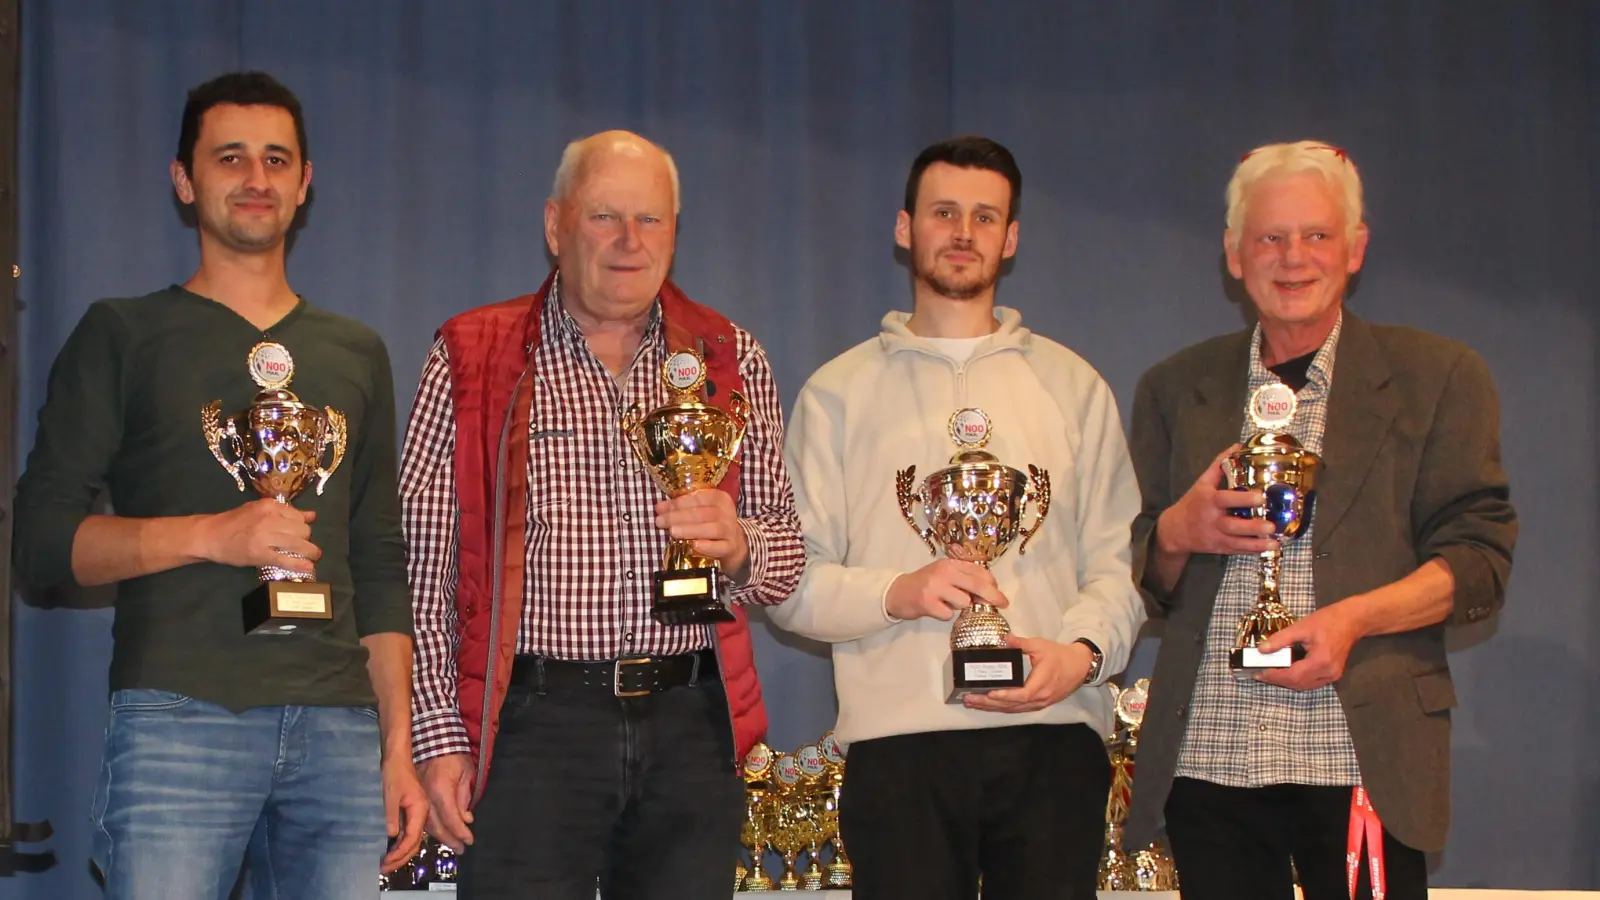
(1411, 531)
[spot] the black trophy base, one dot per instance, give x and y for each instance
(689, 597)
(983, 670)
(287, 607)
(1246, 661)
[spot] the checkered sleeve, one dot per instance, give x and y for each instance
(766, 498)
(429, 514)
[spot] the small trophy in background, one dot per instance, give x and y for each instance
(1152, 868)
(974, 508)
(1273, 462)
(813, 792)
(839, 872)
(757, 829)
(789, 831)
(277, 444)
(687, 446)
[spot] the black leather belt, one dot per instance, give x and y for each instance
(634, 677)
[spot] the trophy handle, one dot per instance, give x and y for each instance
(632, 425)
(903, 481)
(739, 411)
(338, 435)
(1041, 497)
(216, 432)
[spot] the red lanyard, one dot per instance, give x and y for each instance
(1364, 829)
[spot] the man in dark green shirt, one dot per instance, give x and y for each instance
(292, 751)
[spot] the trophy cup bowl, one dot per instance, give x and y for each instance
(687, 446)
(974, 508)
(1274, 463)
(277, 444)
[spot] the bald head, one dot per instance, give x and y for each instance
(582, 155)
(612, 222)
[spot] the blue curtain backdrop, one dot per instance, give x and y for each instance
(435, 128)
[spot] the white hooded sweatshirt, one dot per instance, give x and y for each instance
(885, 405)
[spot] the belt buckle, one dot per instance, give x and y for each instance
(616, 677)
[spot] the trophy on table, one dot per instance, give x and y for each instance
(1273, 462)
(757, 828)
(813, 792)
(839, 871)
(1150, 869)
(789, 831)
(974, 508)
(687, 446)
(277, 444)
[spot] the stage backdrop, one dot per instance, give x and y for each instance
(435, 128)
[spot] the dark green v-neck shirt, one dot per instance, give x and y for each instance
(123, 412)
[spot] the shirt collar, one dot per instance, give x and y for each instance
(1321, 371)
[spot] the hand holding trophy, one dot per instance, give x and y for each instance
(277, 444)
(974, 508)
(687, 446)
(1273, 462)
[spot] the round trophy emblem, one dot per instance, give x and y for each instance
(758, 761)
(970, 428)
(684, 371)
(1131, 703)
(1272, 406)
(788, 771)
(810, 760)
(271, 365)
(831, 751)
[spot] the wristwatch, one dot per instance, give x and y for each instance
(1097, 659)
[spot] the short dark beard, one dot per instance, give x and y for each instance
(951, 292)
(947, 290)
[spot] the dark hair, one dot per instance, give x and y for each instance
(241, 89)
(968, 152)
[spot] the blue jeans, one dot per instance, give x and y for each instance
(188, 791)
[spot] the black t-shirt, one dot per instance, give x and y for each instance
(123, 412)
(1295, 372)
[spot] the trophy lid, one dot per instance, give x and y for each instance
(270, 365)
(1272, 406)
(831, 751)
(1131, 703)
(786, 769)
(970, 428)
(811, 762)
(684, 372)
(758, 762)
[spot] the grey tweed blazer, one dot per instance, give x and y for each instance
(1411, 471)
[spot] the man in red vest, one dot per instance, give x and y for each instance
(534, 533)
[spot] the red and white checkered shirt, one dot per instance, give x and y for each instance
(592, 543)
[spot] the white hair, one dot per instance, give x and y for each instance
(1331, 163)
(573, 156)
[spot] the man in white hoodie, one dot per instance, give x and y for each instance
(1010, 785)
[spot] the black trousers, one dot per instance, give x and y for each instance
(924, 815)
(1237, 844)
(637, 794)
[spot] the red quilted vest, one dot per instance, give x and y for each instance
(491, 349)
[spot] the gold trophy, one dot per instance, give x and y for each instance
(277, 444)
(1271, 461)
(1150, 869)
(757, 828)
(814, 791)
(839, 871)
(687, 446)
(789, 831)
(975, 508)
